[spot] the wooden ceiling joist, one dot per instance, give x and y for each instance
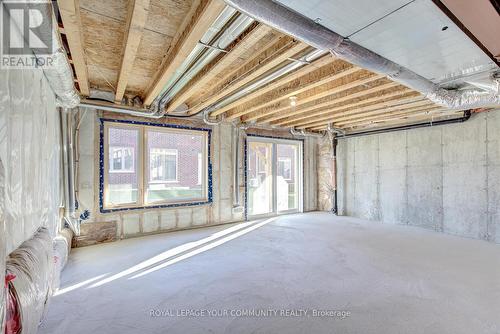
(383, 100)
(394, 115)
(302, 86)
(411, 119)
(323, 61)
(349, 117)
(70, 15)
(328, 102)
(344, 111)
(251, 36)
(315, 65)
(289, 48)
(285, 106)
(136, 20)
(197, 24)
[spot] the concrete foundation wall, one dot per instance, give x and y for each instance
(445, 178)
(148, 221)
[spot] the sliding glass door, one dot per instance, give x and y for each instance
(274, 176)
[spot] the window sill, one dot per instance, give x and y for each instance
(158, 205)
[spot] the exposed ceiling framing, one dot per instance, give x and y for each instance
(70, 14)
(132, 48)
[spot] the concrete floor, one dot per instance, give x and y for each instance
(392, 279)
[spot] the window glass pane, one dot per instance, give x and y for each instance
(260, 178)
(128, 159)
(122, 174)
(286, 181)
(173, 166)
(117, 158)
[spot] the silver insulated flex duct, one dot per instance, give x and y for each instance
(298, 26)
(55, 65)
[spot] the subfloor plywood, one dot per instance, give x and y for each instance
(392, 279)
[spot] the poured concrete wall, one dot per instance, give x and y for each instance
(100, 226)
(445, 178)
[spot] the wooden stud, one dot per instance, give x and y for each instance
(199, 22)
(70, 15)
(137, 14)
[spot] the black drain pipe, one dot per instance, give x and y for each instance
(335, 209)
(464, 118)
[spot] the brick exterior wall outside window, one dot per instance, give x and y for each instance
(188, 147)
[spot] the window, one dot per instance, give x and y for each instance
(153, 165)
(163, 165)
(121, 159)
(285, 168)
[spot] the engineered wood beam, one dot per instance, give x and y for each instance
(136, 20)
(70, 15)
(194, 28)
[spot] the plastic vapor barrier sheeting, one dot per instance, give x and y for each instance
(30, 151)
(2, 249)
(30, 181)
(32, 265)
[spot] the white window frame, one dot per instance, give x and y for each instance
(298, 174)
(122, 162)
(289, 162)
(166, 151)
(141, 165)
(200, 169)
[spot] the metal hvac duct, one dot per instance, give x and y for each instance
(226, 28)
(311, 56)
(69, 170)
(304, 133)
(316, 35)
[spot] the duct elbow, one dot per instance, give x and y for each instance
(211, 121)
(304, 133)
